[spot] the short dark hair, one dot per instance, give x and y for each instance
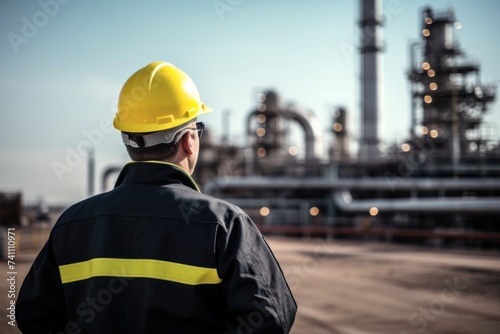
(157, 152)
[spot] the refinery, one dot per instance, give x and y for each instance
(372, 236)
(441, 185)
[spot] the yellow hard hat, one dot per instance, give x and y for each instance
(157, 97)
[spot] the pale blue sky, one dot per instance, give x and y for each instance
(62, 79)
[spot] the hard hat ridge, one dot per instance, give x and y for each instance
(158, 97)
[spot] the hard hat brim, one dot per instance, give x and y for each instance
(145, 128)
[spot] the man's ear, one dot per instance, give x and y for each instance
(187, 143)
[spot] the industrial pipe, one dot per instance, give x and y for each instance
(378, 183)
(344, 202)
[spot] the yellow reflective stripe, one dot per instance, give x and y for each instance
(139, 268)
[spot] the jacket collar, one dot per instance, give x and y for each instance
(155, 172)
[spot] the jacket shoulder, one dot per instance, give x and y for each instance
(223, 211)
(80, 209)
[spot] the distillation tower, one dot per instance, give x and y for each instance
(448, 99)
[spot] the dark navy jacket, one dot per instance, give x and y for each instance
(154, 255)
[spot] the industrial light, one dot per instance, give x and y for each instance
(261, 118)
(261, 107)
(261, 97)
(478, 92)
(458, 25)
(260, 132)
(405, 147)
(373, 211)
(427, 99)
(293, 150)
(314, 211)
(431, 73)
(426, 32)
(433, 86)
(337, 127)
(261, 152)
(428, 20)
(426, 66)
(424, 130)
(264, 211)
(434, 133)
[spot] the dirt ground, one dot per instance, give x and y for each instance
(377, 288)
(351, 288)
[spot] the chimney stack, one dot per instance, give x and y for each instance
(371, 79)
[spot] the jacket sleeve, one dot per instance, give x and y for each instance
(257, 294)
(40, 307)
